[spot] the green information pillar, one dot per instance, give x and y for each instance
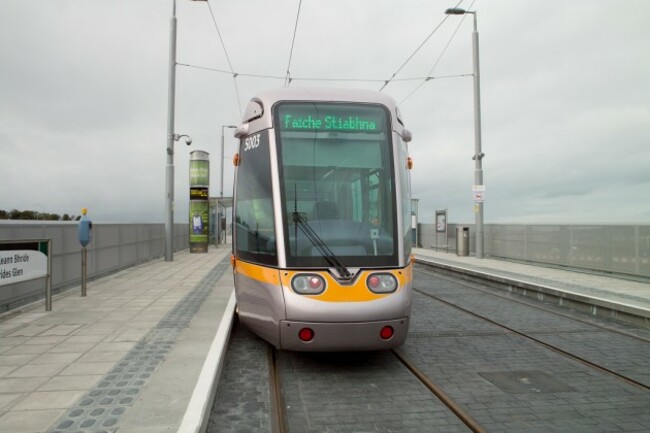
(199, 203)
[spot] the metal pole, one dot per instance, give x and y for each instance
(478, 155)
(169, 168)
(222, 156)
(48, 284)
(220, 201)
(84, 270)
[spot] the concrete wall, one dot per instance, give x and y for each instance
(113, 247)
(619, 249)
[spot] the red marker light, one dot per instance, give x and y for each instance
(306, 334)
(386, 332)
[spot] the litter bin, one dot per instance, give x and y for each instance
(462, 241)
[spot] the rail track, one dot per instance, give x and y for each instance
(528, 336)
(527, 301)
(280, 420)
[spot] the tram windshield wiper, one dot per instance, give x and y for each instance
(316, 240)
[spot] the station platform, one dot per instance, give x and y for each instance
(137, 354)
(140, 352)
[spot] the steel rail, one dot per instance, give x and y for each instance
(438, 392)
(278, 408)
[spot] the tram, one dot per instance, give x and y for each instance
(322, 220)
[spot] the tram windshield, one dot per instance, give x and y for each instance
(336, 174)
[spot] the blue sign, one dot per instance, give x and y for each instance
(85, 230)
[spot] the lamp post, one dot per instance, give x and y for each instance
(478, 154)
(222, 157)
(171, 137)
(220, 206)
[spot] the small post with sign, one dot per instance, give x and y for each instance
(27, 259)
(85, 235)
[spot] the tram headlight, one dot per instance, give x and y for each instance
(308, 284)
(381, 283)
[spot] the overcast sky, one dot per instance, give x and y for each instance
(565, 90)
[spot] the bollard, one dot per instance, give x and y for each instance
(462, 241)
(85, 235)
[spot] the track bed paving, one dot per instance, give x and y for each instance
(511, 384)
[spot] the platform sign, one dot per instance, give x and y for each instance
(478, 193)
(441, 220)
(22, 262)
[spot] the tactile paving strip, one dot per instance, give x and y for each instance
(101, 410)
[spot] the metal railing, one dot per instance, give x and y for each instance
(617, 249)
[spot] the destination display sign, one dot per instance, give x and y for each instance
(330, 117)
(21, 265)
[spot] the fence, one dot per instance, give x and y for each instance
(618, 249)
(113, 247)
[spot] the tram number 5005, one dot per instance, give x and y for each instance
(251, 142)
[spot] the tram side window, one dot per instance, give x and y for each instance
(254, 221)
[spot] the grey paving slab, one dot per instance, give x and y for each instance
(30, 331)
(84, 368)
(67, 347)
(7, 399)
(70, 383)
(5, 370)
(46, 339)
(30, 421)
(77, 339)
(27, 384)
(48, 400)
(28, 349)
(56, 358)
(16, 359)
(37, 370)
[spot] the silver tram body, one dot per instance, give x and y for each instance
(321, 220)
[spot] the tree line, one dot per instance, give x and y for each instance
(16, 214)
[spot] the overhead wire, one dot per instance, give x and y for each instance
(287, 80)
(340, 79)
(221, 71)
(232, 71)
(442, 53)
(386, 82)
(444, 50)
